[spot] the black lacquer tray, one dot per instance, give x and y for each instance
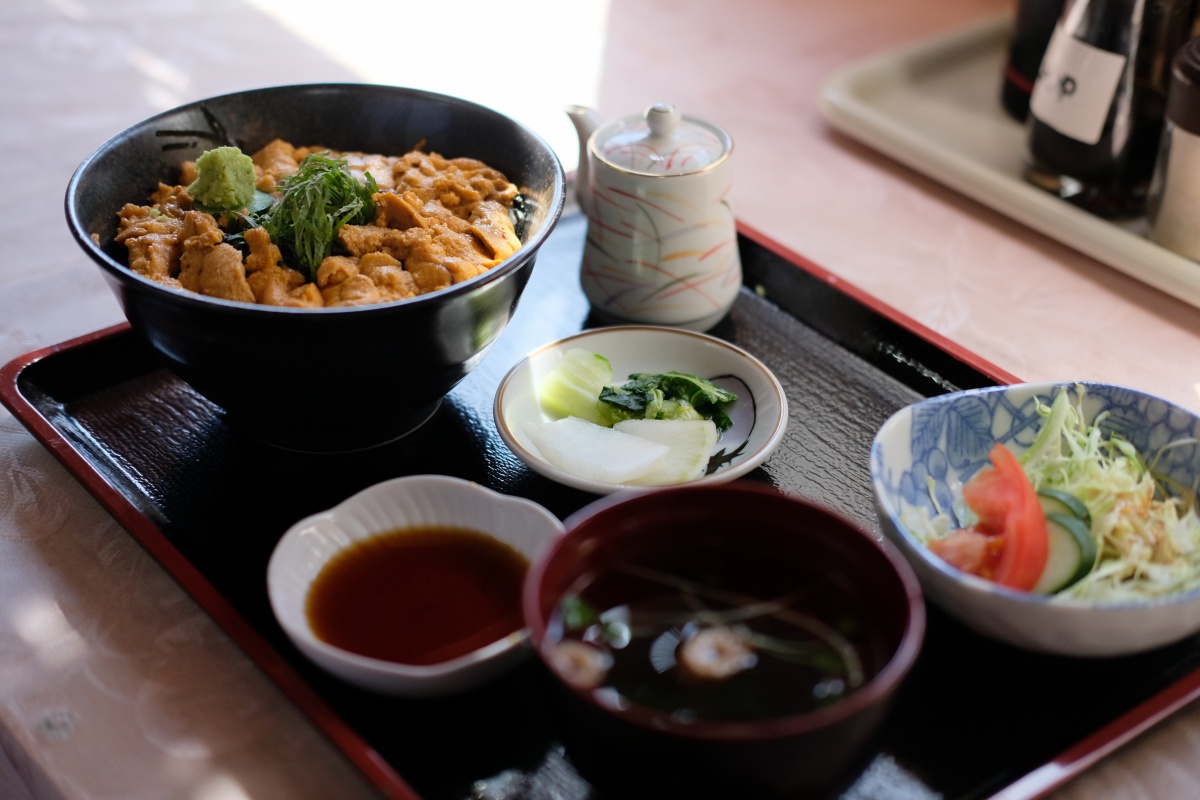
(975, 719)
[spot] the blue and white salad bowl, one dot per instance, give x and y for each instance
(926, 451)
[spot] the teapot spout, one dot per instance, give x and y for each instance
(586, 121)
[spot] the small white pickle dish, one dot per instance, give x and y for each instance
(759, 414)
(411, 502)
(932, 445)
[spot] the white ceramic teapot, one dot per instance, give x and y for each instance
(662, 240)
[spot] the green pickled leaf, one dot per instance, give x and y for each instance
(670, 395)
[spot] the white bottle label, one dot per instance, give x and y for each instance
(1075, 87)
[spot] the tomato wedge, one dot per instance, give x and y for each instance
(1009, 545)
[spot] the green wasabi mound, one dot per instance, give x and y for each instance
(225, 181)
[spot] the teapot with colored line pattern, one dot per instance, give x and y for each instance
(662, 241)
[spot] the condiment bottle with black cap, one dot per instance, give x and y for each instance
(1173, 210)
(1096, 112)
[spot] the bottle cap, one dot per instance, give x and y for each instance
(1183, 96)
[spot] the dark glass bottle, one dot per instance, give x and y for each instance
(1097, 106)
(1175, 190)
(1032, 26)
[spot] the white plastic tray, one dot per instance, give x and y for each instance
(935, 106)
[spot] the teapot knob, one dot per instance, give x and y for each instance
(662, 119)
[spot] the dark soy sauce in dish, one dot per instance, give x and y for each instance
(419, 596)
(715, 634)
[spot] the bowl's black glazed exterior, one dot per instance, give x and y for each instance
(328, 379)
(635, 752)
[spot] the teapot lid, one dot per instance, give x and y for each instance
(661, 142)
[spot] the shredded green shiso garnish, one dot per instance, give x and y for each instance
(315, 202)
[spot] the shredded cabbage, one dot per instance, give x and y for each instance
(1148, 540)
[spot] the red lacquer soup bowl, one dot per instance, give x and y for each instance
(721, 641)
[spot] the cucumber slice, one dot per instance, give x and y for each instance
(1056, 501)
(1072, 553)
(572, 388)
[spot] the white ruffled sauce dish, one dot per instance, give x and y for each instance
(662, 238)
(409, 503)
(936, 444)
(759, 415)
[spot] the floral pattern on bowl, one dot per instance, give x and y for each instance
(925, 450)
(950, 440)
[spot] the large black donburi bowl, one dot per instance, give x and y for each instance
(320, 380)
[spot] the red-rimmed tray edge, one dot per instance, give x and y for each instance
(1033, 784)
(1105, 740)
(376, 770)
(878, 306)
